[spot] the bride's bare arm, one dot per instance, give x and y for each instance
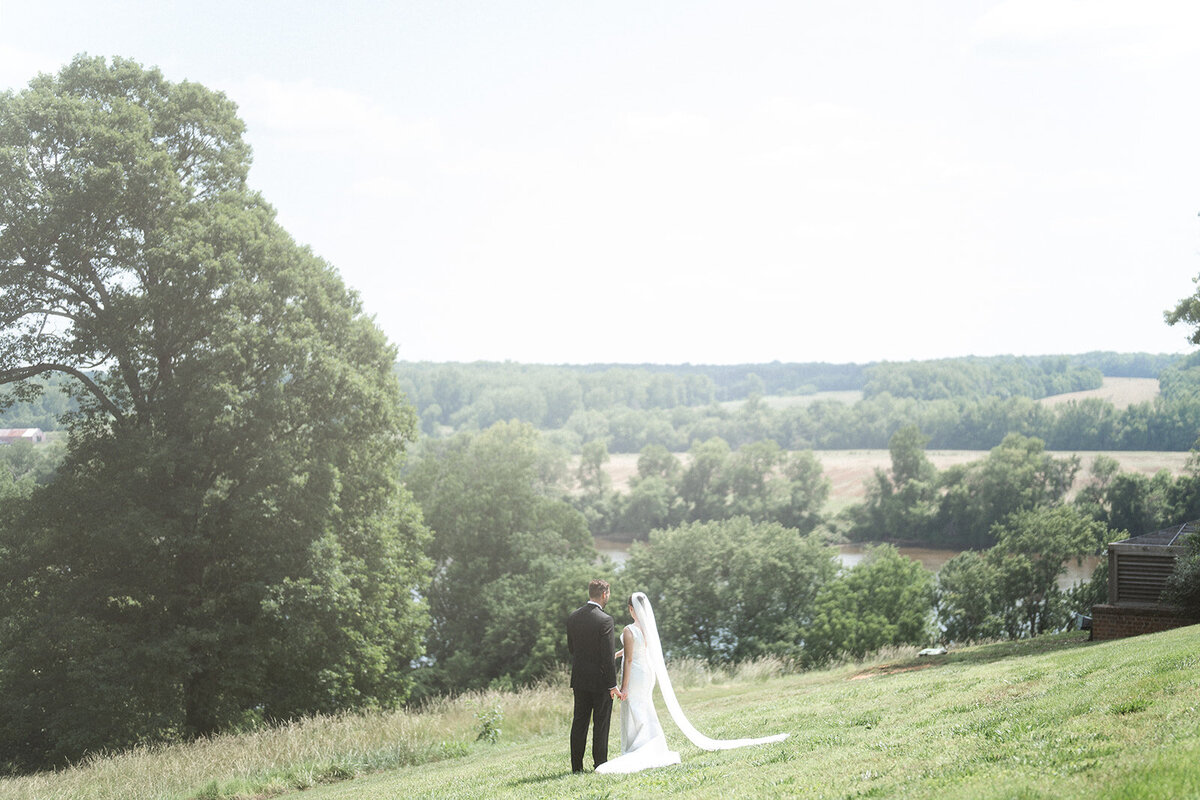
(627, 640)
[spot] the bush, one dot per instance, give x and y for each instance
(1183, 587)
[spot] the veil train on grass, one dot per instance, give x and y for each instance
(645, 620)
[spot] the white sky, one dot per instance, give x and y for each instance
(707, 182)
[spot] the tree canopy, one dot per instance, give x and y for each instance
(227, 534)
(884, 600)
(732, 589)
(511, 557)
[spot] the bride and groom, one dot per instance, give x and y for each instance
(594, 683)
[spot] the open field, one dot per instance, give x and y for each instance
(1121, 392)
(1054, 717)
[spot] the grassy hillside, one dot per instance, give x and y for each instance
(1056, 717)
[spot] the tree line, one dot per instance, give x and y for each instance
(475, 395)
(968, 404)
(959, 507)
(963, 404)
(758, 481)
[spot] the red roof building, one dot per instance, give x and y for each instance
(10, 435)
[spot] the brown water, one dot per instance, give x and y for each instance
(933, 559)
(850, 554)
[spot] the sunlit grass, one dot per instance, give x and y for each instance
(1055, 717)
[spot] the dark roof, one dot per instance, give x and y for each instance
(1166, 537)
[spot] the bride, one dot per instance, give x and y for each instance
(643, 744)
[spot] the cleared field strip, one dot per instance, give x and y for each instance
(1121, 392)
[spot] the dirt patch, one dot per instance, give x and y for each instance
(887, 669)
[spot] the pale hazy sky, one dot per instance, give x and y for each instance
(665, 181)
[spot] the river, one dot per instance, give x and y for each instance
(850, 554)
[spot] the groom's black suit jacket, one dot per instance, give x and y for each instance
(590, 640)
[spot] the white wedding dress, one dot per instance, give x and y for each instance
(643, 744)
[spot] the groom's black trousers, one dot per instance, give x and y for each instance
(596, 706)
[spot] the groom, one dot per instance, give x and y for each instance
(593, 674)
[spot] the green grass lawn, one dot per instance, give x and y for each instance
(1055, 717)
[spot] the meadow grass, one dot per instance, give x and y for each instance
(308, 752)
(326, 749)
(1053, 717)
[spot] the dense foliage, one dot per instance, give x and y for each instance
(886, 599)
(957, 507)
(731, 590)
(45, 404)
(1183, 587)
(1012, 589)
(226, 538)
(758, 481)
(978, 378)
(969, 403)
(511, 558)
(547, 396)
(25, 466)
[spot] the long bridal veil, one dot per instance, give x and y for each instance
(645, 620)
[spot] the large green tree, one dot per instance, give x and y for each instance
(1012, 589)
(968, 604)
(900, 506)
(227, 533)
(512, 557)
(1032, 550)
(733, 589)
(887, 599)
(1017, 475)
(1183, 587)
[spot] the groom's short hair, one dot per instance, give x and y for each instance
(596, 589)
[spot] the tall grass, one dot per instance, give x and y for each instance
(326, 749)
(297, 755)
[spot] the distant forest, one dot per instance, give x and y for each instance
(964, 403)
